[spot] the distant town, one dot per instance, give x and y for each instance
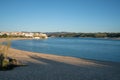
(35, 35)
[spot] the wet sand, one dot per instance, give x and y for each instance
(52, 67)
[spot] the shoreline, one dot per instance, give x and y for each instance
(66, 55)
(53, 67)
(28, 53)
(17, 50)
(24, 55)
(106, 38)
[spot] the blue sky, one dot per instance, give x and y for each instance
(60, 15)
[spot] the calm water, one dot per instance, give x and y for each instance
(91, 48)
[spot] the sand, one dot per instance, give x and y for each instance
(53, 67)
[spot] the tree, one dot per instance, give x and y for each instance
(4, 35)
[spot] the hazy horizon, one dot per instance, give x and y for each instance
(88, 16)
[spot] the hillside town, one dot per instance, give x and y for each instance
(34, 35)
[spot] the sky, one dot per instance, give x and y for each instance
(60, 15)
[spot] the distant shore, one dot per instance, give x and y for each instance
(52, 67)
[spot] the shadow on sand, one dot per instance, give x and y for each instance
(54, 70)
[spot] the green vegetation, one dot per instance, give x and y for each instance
(4, 36)
(94, 35)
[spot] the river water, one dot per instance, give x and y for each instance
(90, 48)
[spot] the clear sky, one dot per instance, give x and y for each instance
(60, 15)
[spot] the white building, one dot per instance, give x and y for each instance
(28, 34)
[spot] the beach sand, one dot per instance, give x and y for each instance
(52, 67)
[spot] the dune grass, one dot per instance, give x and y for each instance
(7, 63)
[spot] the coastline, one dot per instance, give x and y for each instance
(52, 67)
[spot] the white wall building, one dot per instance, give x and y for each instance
(28, 34)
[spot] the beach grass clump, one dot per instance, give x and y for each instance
(7, 63)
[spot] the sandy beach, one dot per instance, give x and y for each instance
(52, 67)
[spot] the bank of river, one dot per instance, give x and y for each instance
(90, 48)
